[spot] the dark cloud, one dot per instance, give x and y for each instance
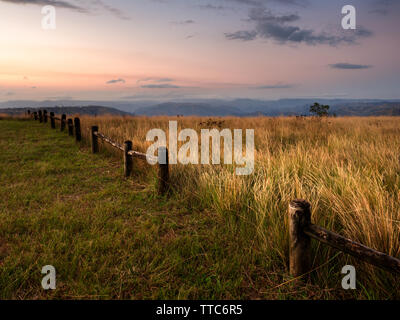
(383, 12)
(212, 7)
(277, 28)
(258, 3)
(61, 98)
(385, 7)
(362, 32)
(56, 3)
(276, 86)
(93, 6)
(184, 22)
(160, 86)
(115, 81)
(116, 12)
(190, 36)
(254, 3)
(155, 80)
(242, 35)
(349, 66)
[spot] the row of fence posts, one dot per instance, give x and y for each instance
(163, 174)
(163, 171)
(42, 116)
(301, 230)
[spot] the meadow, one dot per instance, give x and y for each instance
(347, 168)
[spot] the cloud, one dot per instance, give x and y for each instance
(93, 6)
(276, 86)
(349, 66)
(212, 7)
(56, 3)
(155, 80)
(160, 86)
(116, 81)
(385, 7)
(278, 29)
(60, 98)
(362, 32)
(184, 22)
(9, 94)
(258, 3)
(116, 12)
(242, 35)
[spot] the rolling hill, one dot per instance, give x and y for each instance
(88, 110)
(211, 107)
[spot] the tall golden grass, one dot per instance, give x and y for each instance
(348, 168)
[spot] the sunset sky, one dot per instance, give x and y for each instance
(166, 49)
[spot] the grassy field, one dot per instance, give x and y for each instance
(219, 236)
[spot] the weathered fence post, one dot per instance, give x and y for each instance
(35, 116)
(95, 139)
(128, 161)
(300, 243)
(40, 116)
(45, 116)
(77, 124)
(163, 173)
(70, 127)
(52, 120)
(63, 122)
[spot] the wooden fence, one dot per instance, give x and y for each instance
(74, 128)
(301, 230)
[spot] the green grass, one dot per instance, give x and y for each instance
(114, 238)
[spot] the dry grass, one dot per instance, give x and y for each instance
(348, 168)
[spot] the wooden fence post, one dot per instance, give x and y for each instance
(35, 116)
(40, 116)
(63, 122)
(128, 161)
(52, 120)
(77, 124)
(163, 173)
(70, 127)
(95, 139)
(300, 243)
(45, 116)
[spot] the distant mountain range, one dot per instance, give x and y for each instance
(249, 108)
(89, 110)
(189, 109)
(368, 109)
(211, 107)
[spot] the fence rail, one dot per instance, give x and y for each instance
(301, 230)
(74, 128)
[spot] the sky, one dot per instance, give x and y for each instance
(224, 49)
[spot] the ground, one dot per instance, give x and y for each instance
(114, 238)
